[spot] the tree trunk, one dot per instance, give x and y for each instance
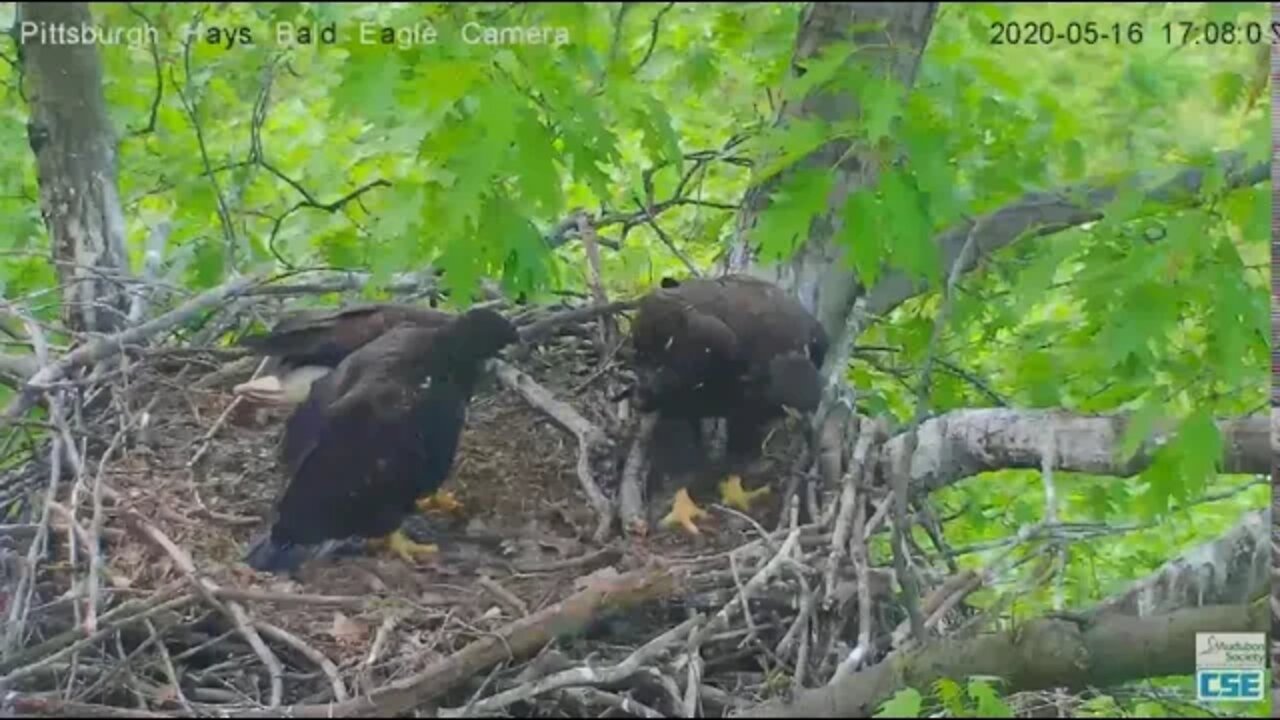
(71, 136)
(816, 274)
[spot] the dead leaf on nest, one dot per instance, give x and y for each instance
(347, 631)
(603, 577)
(120, 582)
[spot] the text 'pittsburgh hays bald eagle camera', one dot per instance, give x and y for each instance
(377, 433)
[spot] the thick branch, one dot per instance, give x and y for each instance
(520, 639)
(540, 328)
(1040, 655)
(1233, 568)
(1045, 213)
(102, 347)
(965, 443)
(583, 675)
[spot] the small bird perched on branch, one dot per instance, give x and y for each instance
(377, 433)
(735, 347)
(308, 344)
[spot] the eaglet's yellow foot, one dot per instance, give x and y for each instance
(399, 544)
(732, 494)
(683, 512)
(442, 501)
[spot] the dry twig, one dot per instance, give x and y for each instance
(650, 652)
(590, 438)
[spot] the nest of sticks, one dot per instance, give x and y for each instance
(124, 591)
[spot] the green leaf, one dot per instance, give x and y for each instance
(926, 147)
(1183, 466)
(862, 235)
(1236, 318)
(538, 179)
(526, 257)
(881, 102)
(1097, 501)
(1250, 210)
(463, 263)
(368, 84)
(209, 266)
(783, 147)
(990, 704)
(1038, 276)
(342, 249)
(818, 71)
(784, 224)
(1073, 159)
(1039, 374)
(904, 704)
(443, 83)
(913, 247)
(701, 69)
(1145, 314)
(1228, 89)
(1200, 446)
(1150, 709)
(1230, 12)
(660, 139)
(1139, 427)
(951, 695)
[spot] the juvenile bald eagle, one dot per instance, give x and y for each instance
(377, 433)
(734, 347)
(307, 344)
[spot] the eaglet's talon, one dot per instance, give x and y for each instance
(399, 544)
(441, 501)
(732, 494)
(684, 511)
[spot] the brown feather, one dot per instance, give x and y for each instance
(378, 432)
(734, 347)
(325, 337)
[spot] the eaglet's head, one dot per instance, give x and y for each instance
(483, 332)
(794, 382)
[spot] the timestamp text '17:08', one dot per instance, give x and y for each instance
(1031, 32)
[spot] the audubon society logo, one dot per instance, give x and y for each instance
(1230, 666)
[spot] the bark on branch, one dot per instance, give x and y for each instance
(964, 443)
(520, 639)
(1234, 568)
(1041, 654)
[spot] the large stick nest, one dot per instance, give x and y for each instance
(186, 474)
(528, 611)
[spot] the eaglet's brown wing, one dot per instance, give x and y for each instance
(325, 337)
(352, 449)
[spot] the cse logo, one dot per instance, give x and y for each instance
(1229, 685)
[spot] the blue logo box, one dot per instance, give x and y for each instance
(1230, 685)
